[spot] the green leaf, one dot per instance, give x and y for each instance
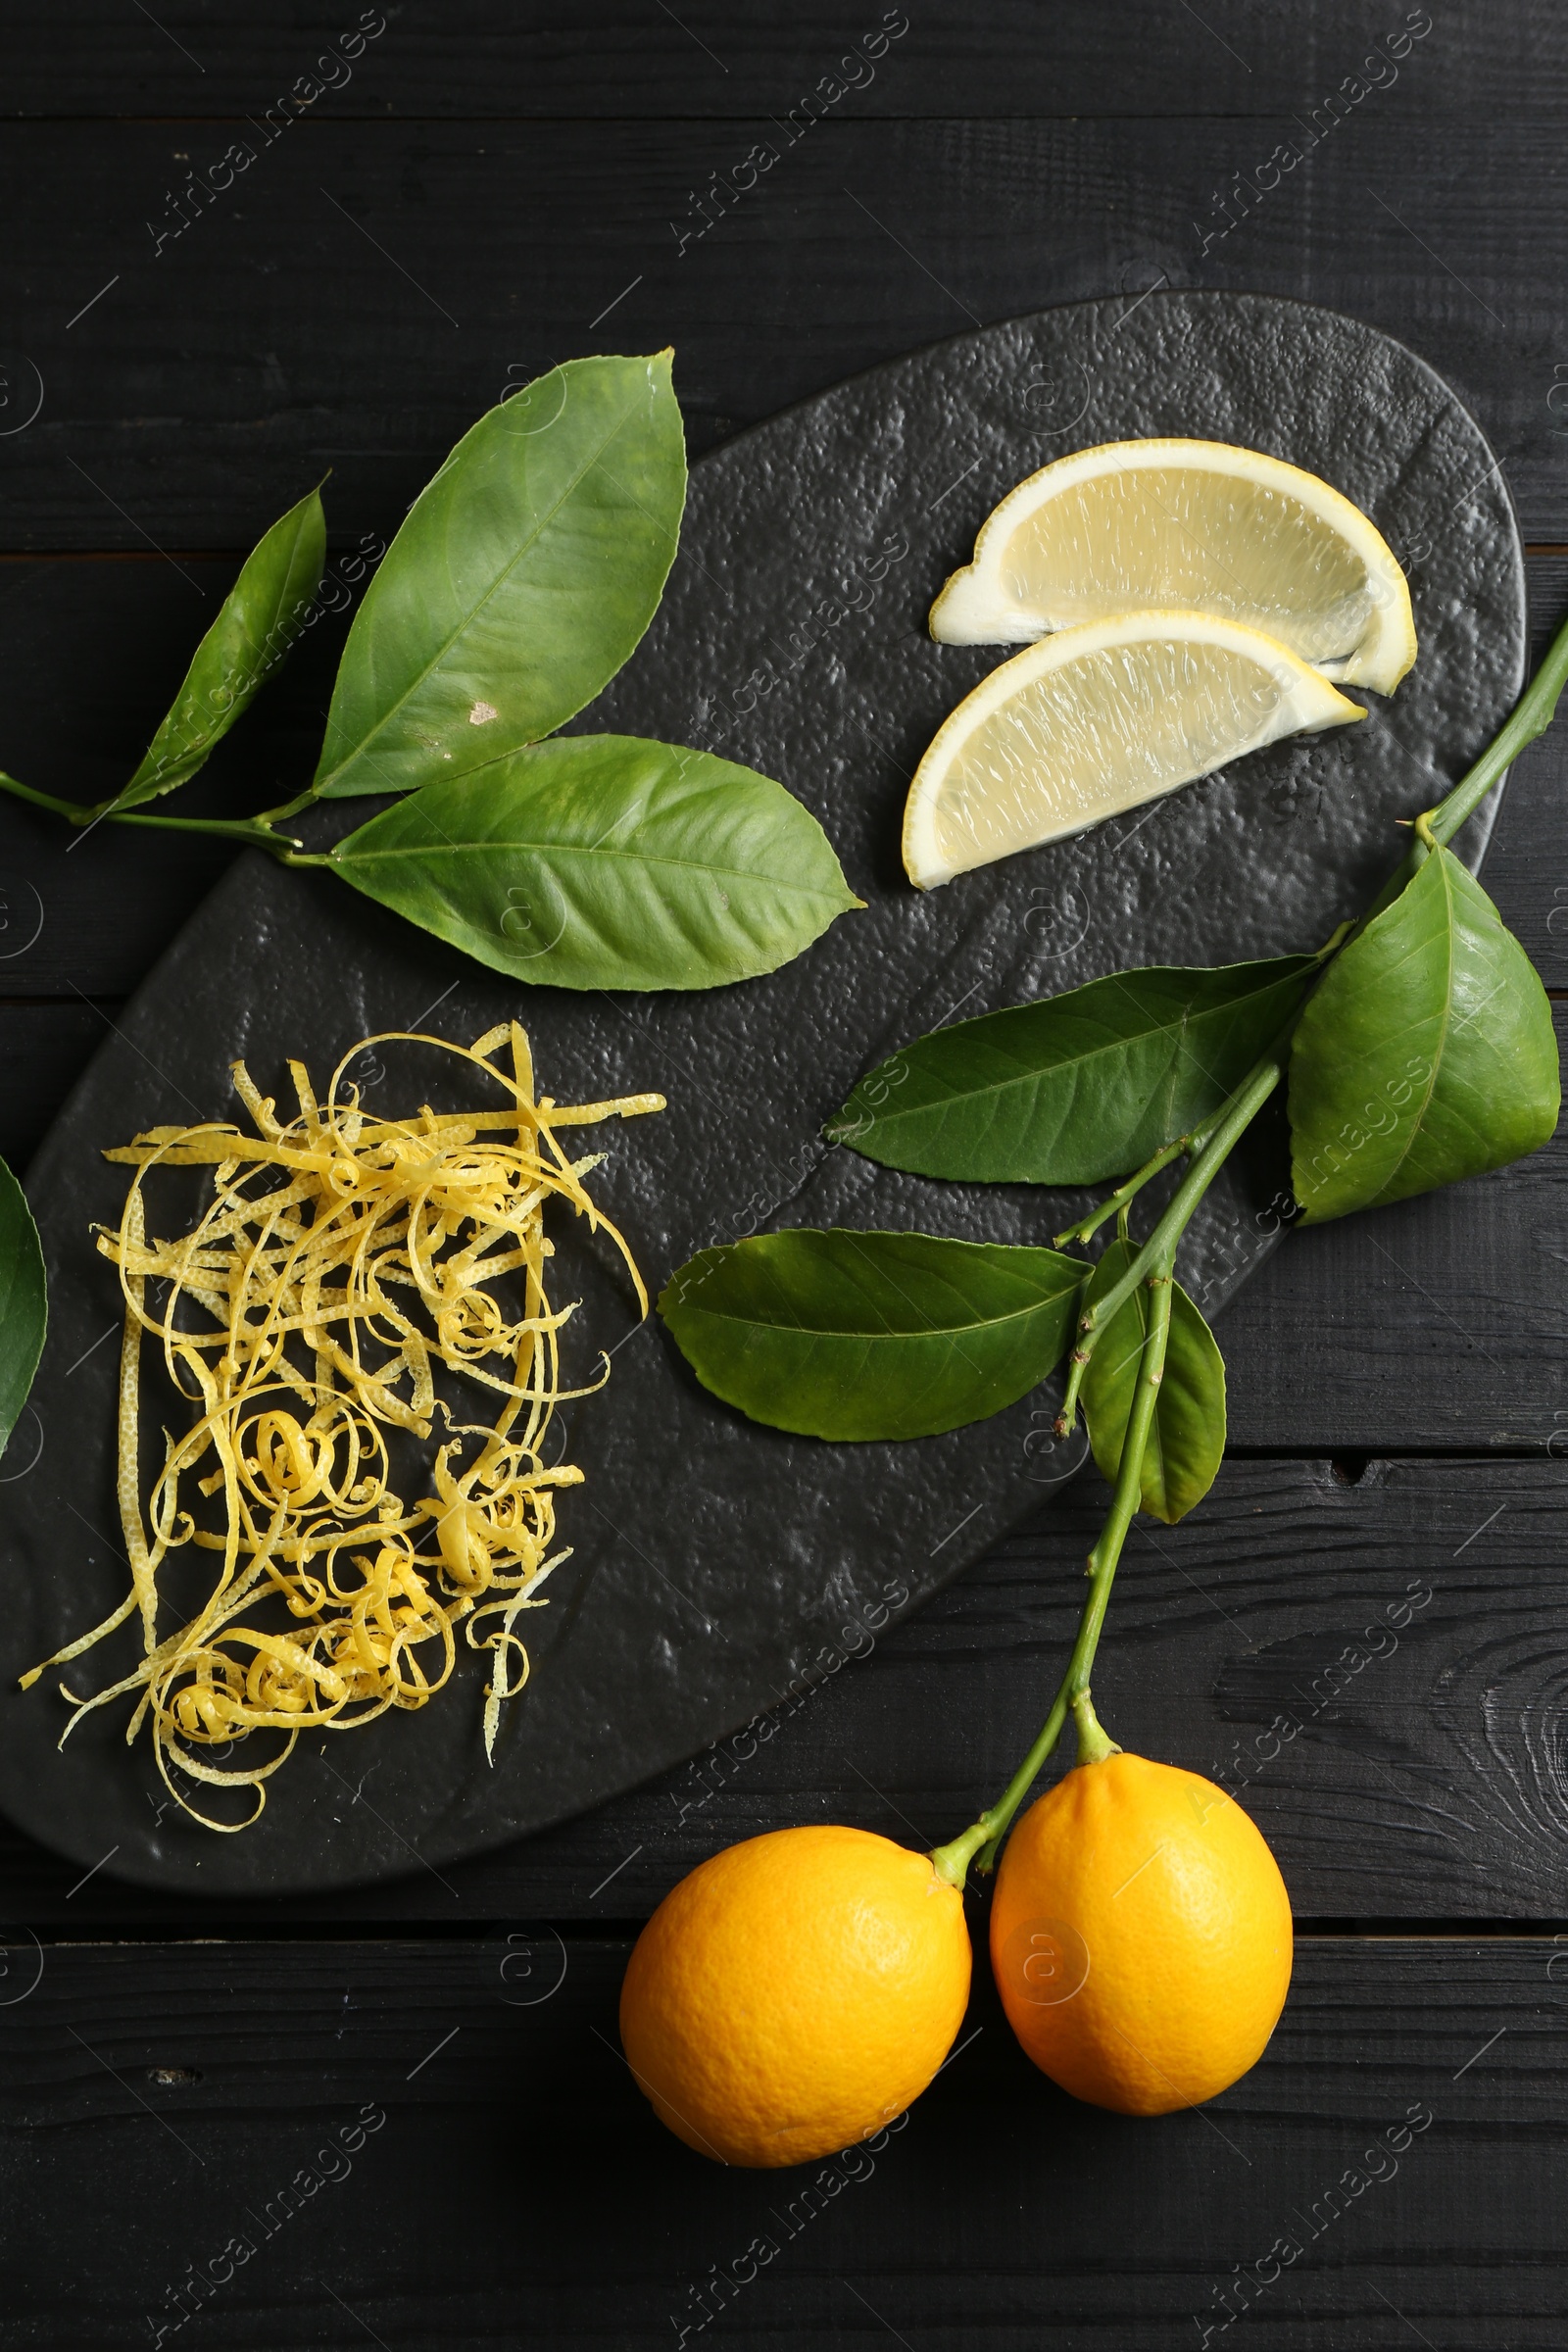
(23, 1301)
(1187, 1437)
(871, 1335)
(241, 651)
(522, 577)
(606, 861)
(1426, 1052)
(1075, 1088)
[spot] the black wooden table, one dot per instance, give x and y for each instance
(410, 2103)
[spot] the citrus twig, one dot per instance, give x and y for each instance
(73, 810)
(1240, 1109)
(1086, 1227)
(1209, 1146)
(1531, 715)
(253, 831)
(1116, 1204)
(951, 1861)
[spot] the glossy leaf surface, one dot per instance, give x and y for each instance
(1187, 1436)
(1075, 1088)
(871, 1335)
(24, 1304)
(258, 622)
(606, 862)
(522, 577)
(1425, 1055)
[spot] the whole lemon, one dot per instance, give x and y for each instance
(795, 1993)
(1141, 1937)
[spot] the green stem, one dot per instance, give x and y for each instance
(287, 809)
(1202, 1135)
(1086, 1227)
(1533, 714)
(1237, 1113)
(253, 830)
(1095, 1742)
(951, 1861)
(1209, 1144)
(77, 813)
(256, 830)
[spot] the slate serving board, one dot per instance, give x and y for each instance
(716, 1563)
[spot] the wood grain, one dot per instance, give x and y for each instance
(714, 60)
(96, 652)
(462, 2168)
(507, 179)
(365, 288)
(1437, 1322)
(1402, 1753)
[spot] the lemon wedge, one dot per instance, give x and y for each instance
(1095, 721)
(1198, 524)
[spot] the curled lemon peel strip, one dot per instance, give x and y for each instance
(341, 1259)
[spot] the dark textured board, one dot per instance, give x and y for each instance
(499, 2179)
(710, 1553)
(479, 59)
(1463, 1294)
(86, 916)
(206, 389)
(1403, 1620)
(89, 914)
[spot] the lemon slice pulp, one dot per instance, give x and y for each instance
(1098, 719)
(1197, 525)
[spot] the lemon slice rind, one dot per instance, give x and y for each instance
(1298, 699)
(979, 606)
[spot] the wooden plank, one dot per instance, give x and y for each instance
(96, 652)
(363, 289)
(1527, 864)
(603, 61)
(1436, 1322)
(1413, 1775)
(459, 2167)
(43, 1048)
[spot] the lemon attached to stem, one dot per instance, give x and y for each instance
(1140, 1937)
(795, 1993)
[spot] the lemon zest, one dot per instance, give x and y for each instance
(340, 1260)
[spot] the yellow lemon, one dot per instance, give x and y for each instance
(1095, 721)
(795, 1993)
(1140, 1937)
(1198, 524)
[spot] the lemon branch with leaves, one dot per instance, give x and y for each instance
(522, 578)
(1416, 1047)
(1140, 1931)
